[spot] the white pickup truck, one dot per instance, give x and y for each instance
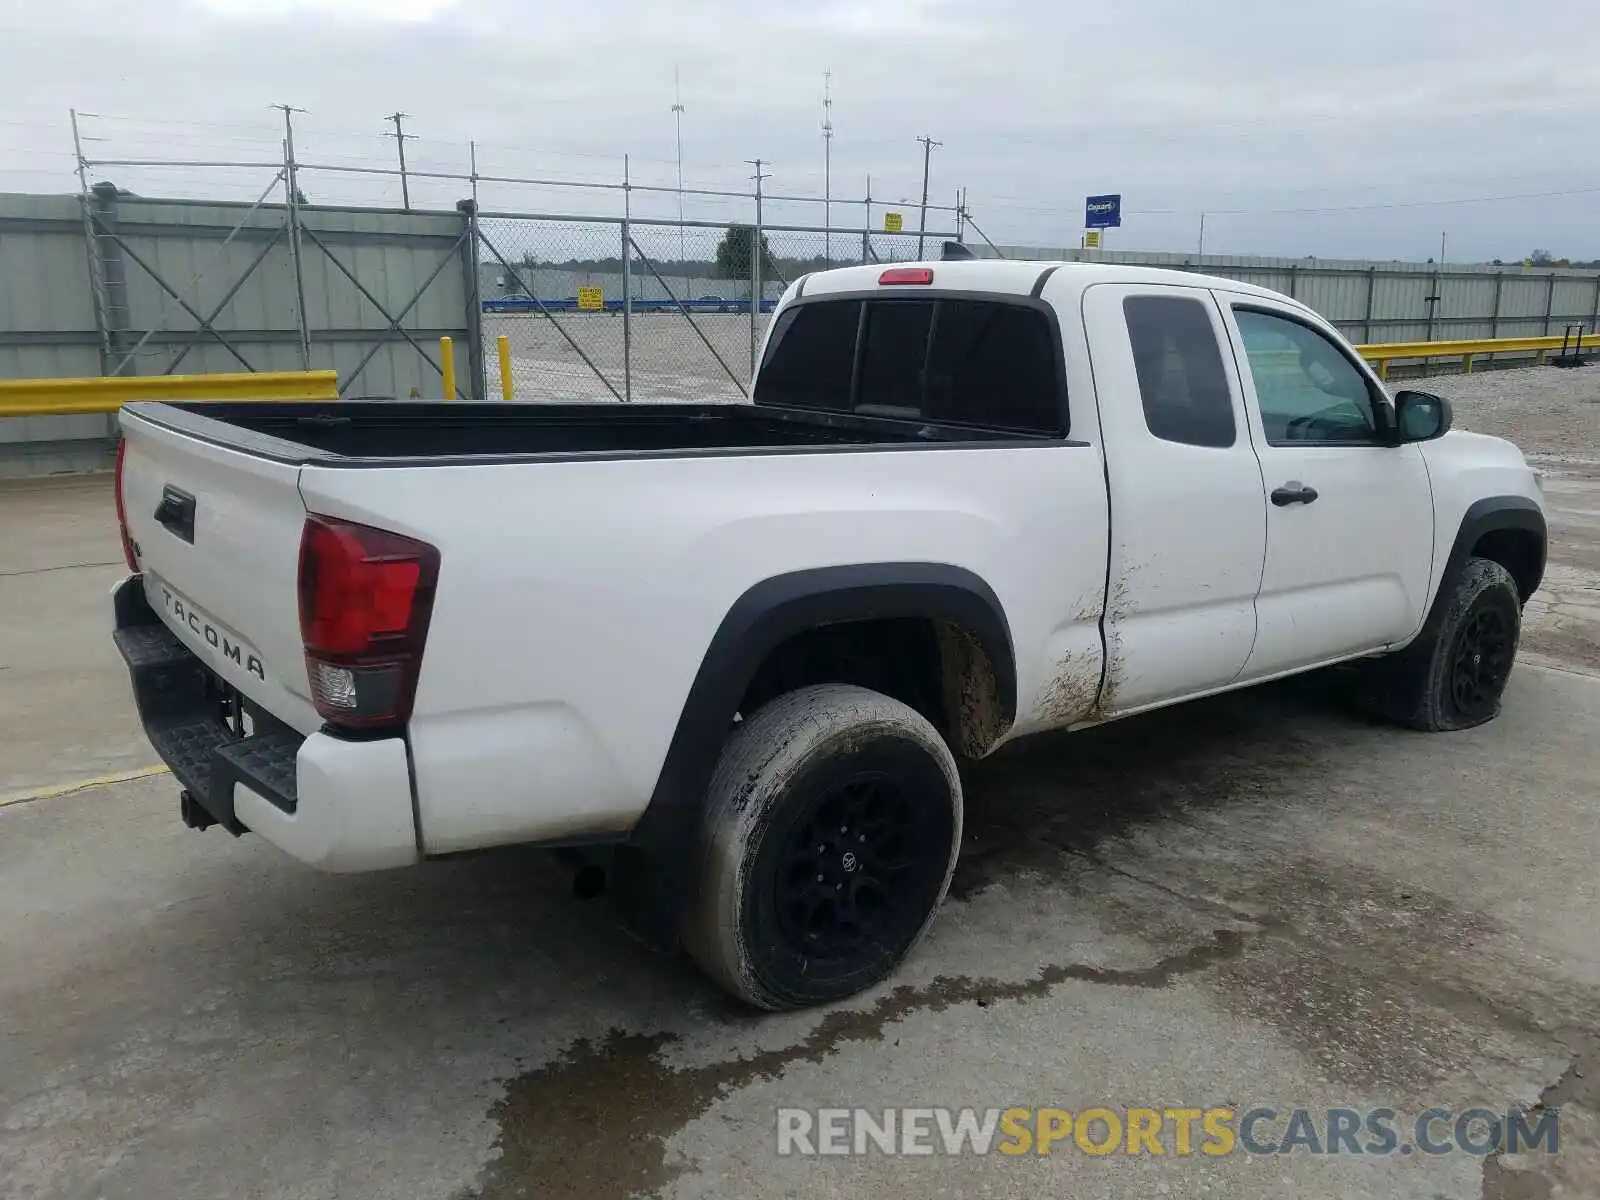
(736, 650)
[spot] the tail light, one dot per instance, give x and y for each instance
(365, 598)
(906, 275)
(122, 510)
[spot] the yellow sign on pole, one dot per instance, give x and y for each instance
(591, 299)
(893, 222)
(1091, 239)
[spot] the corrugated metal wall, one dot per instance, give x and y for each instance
(1389, 302)
(232, 265)
(197, 250)
(47, 325)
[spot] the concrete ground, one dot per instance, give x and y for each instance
(1262, 900)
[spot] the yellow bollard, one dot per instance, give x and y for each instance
(504, 344)
(447, 366)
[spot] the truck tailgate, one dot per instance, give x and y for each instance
(217, 534)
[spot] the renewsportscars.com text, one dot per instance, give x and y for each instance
(1166, 1131)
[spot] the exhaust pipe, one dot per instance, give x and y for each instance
(589, 881)
(588, 874)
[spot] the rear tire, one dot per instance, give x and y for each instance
(1455, 680)
(831, 830)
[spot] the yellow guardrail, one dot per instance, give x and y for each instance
(1383, 353)
(104, 394)
(64, 397)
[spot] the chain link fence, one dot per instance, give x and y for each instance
(646, 310)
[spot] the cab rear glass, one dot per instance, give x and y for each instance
(952, 360)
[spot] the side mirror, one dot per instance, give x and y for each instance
(1421, 416)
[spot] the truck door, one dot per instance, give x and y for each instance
(1350, 517)
(1188, 510)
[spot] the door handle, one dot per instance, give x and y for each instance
(1293, 492)
(175, 513)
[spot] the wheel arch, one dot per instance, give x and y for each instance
(654, 867)
(1510, 530)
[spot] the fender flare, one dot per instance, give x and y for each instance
(1489, 515)
(655, 869)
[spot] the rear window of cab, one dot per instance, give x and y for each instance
(952, 360)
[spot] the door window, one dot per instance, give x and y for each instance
(1182, 383)
(1308, 390)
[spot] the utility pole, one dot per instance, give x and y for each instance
(400, 136)
(627, 281)
(291, 182)
(927, 154)
(755, 269)
(827, 167)
(1201, 248)
(677, 116)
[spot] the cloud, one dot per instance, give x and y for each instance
(400, 11)
(1239, 110)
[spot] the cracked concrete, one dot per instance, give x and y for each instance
(1262, 899)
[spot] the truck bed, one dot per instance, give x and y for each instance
(452, 432)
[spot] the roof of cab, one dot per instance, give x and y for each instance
(1013, 277)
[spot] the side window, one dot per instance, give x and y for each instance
(1308, 390)
(1182, 382)
(993, 365)
(810, 357)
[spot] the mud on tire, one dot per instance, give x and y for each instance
(831, 830)
(1456, 679)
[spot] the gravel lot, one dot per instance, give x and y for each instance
(670, 361)
(1257, 900)
(1554, 415)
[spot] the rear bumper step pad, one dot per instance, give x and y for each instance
(183, 717)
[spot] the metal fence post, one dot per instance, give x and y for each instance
(1366, 319)
(97, 288)
(1549, 303)
(755, 278)
(476, 371)
(866, 229)
(291, 185)
(1594, 319)
(1494, 317)
(627, 282)
(1432, 302)
(114, 274)
(1294, 281)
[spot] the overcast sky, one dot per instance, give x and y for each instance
(1369, 110)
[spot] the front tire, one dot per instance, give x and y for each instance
(831, 831)
(1456, 680)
